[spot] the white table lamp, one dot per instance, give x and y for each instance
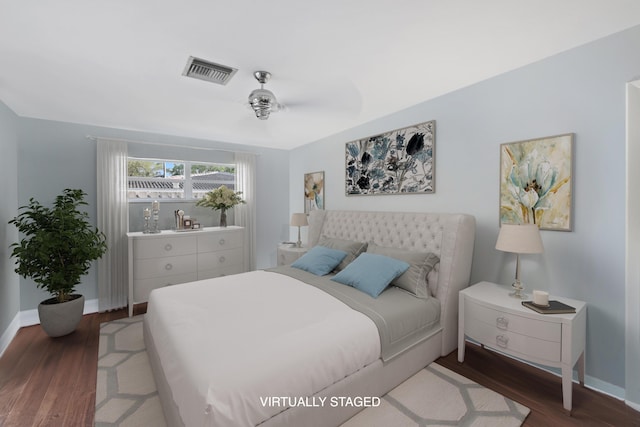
(519, 239)
(299, 220)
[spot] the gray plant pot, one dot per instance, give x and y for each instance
(60, 319)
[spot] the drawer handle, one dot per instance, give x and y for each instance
(502, 341)
(502, 323)
(222, 259)
(221, 242)
(168, 266)
(168, 247)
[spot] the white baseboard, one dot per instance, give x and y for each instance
(633, 405)
(9, 333)
(589, 381)
(603, 387)
(29, 318)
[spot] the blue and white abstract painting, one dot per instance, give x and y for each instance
(396, 162)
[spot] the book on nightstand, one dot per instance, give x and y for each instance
(554, 307)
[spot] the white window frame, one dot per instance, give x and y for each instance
(187, 188)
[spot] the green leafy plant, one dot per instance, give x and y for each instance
(221, 198)
(59, 243)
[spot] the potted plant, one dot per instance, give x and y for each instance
(56, 250)
(222, 198)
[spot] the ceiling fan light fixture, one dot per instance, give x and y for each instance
(263, 101)
(262, 98)
(262, 113)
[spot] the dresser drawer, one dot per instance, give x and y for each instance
(157, 260)
(548, 331)
(219, 241)
(225, 270)
(158, 267)
(163, 247)
(214, 260)
(143, 287)
(513, 343)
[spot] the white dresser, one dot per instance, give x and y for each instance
(170, 257)
(488, 315)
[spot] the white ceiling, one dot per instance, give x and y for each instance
(335, 63)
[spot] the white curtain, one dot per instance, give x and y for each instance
(245, 215)
(113, 221)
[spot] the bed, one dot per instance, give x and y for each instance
(287, 347)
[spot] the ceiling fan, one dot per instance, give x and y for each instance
(263, 101)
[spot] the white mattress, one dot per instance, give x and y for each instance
(250, 337)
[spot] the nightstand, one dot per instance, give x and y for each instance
(287, 253)
(489, 316)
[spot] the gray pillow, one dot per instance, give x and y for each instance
(413, 280)
(352, 248)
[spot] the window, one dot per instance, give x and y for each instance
(161, 179)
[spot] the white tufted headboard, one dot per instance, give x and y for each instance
(450, 236)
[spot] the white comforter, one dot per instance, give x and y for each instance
(228, 345)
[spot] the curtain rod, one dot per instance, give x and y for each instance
(95, 138)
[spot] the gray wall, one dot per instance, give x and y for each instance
(9, 290)
(580, 91)
(54, 155)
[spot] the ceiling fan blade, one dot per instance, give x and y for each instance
(329, 96)
(332, 95)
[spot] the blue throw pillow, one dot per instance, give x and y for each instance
(319, 260)
(371, 273)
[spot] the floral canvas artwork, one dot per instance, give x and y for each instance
(536, 182)
(396, 162)
(313, 191)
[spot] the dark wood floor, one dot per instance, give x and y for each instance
(52, 382)
(540, 391)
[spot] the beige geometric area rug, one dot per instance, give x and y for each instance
(126, 393)
(436, 396)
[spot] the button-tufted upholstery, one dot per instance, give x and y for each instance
(450, 236)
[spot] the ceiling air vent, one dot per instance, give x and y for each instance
(209, 71)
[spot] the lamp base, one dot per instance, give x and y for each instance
(517, 290)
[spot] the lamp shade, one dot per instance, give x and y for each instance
(519, 239)
(299, 220)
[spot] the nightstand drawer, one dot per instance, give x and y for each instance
(514, 343)
(548, 331)
(489, 315)
(289, 254)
